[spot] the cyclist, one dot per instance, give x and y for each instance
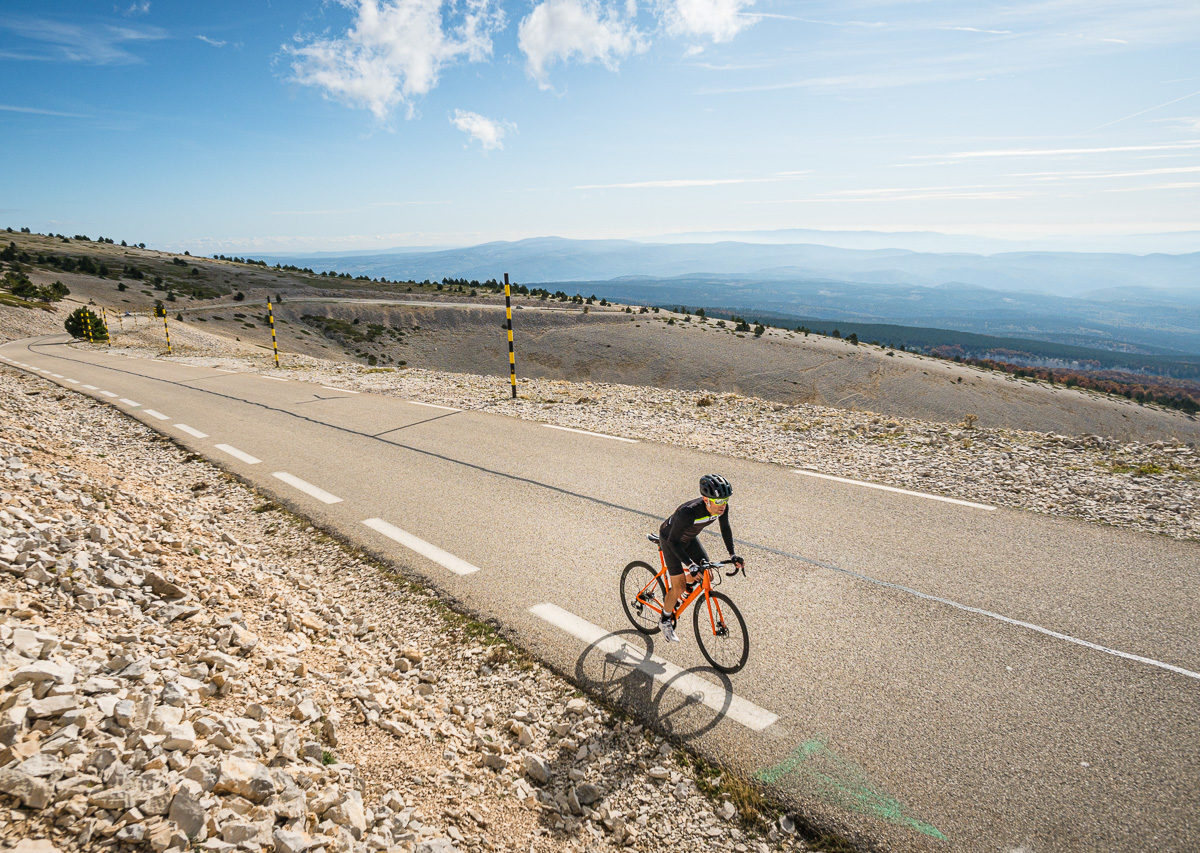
(677, 537)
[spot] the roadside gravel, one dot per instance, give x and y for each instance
(185, 666)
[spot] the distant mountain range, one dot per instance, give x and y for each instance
(1150, 303)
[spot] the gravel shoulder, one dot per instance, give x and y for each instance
(185, 665)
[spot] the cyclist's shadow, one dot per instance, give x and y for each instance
(620, 669)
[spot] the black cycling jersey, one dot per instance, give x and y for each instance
(678, 533)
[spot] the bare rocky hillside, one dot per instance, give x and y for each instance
(460, 333)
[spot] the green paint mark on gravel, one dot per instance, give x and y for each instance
(821, 772)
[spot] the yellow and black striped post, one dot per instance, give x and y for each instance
(87, 324)
(271, 318)
(167, 331)
(107, 331)
(512, 358)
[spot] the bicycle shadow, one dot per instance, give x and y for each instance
(621, 669)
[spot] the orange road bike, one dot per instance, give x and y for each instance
(722, 636)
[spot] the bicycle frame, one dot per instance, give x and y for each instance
(704, 589)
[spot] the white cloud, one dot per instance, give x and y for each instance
(488, 132)
(138, 8)
(396, 49)
(719, 20)
(559, 30)
(213, 42)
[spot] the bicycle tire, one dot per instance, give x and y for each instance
(730, 651)
(636, 576)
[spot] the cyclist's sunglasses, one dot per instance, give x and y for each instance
(718, 501)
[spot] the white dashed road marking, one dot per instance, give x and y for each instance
(275, 378)
(893, 489)
(72, 381)
(108, 393)
(307, 487)
(129, 402)
(237, 454)
(89, 387)
(587, 432)
(433, 406)
(192, 431)
(155, 414)
(425, 549)
(339, 390)
(711, 695)
(57, 375)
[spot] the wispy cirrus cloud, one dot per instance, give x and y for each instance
(213, 42)
(1052, 152)
(884, 194)
(395, 50)
(40, 112)
(487, 132)
(50, 40)
(142, 8)
(693, 182)
(1177, 185)
(1096, 176)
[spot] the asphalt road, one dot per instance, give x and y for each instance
(923, 674)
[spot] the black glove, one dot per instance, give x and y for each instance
(736, 560)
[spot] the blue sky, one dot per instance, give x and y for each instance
(300, 126)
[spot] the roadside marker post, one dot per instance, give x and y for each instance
(271, 318)
(87, 324)
(512, 358)
(166, 331)
(108, 334)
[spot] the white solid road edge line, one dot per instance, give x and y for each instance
(306, 487)
(433, 406)
(237, 454)
(587, 432)
(714, 696)
(425, 549)
(129, 402)
(882, 488)
(152, 413)
(192, 431)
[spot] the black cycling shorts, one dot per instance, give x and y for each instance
(693, 552)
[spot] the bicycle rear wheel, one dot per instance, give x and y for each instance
(641, 592)
(724, 640)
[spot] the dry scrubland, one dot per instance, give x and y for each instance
(184, 666)
(464, 335)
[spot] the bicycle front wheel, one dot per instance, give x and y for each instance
(642, 595)
(723, 639)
